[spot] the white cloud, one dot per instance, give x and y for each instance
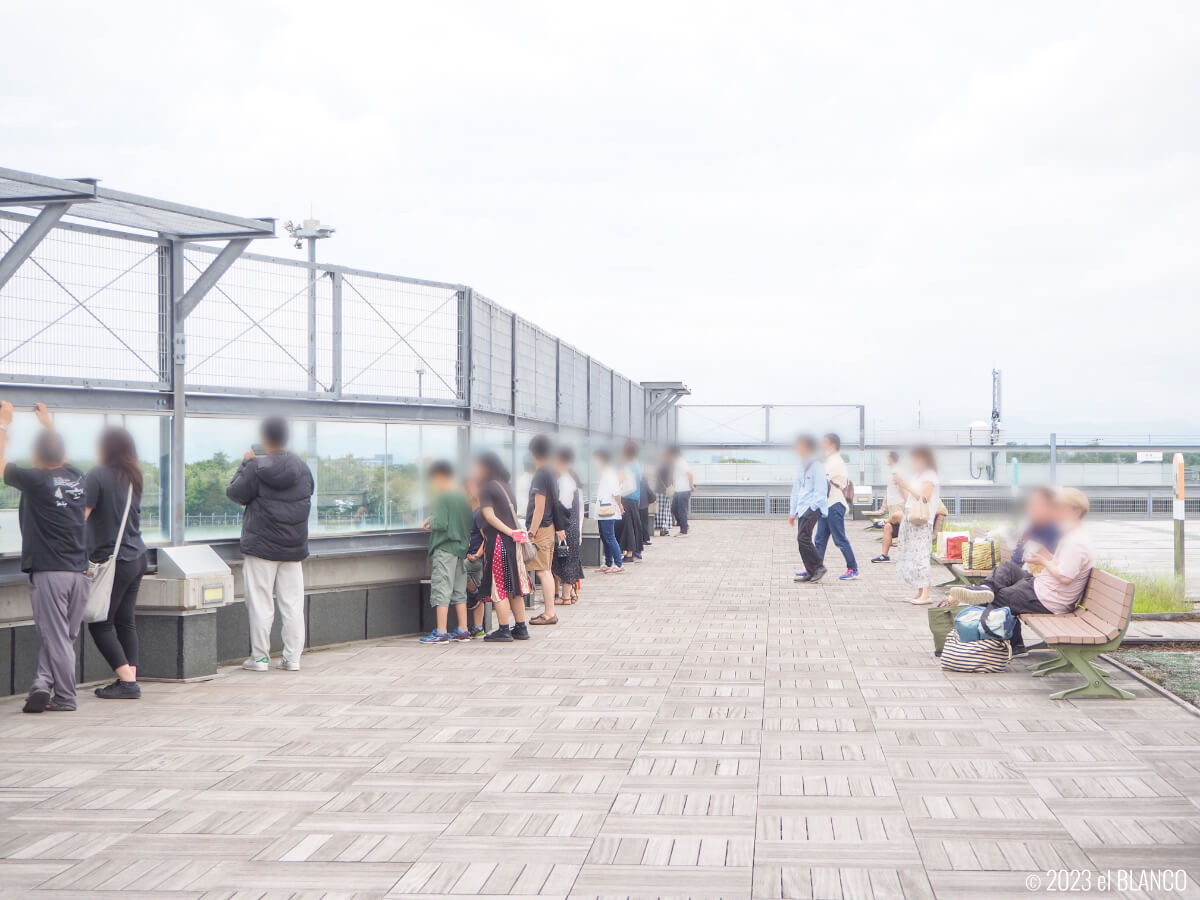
(715, 192)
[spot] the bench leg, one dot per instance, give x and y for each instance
(1046, 666)
(1097, 685)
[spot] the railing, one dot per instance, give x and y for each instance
(381, 372)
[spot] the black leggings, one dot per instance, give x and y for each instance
(116, 637)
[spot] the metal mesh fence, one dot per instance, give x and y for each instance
(537, 364)
(83, 307)
(92, 306)
(620, 404)
(251, 330)
(600, 396)
(400, 339)
(572, 387)
(491, 356)
(637, 407)
(739, 506)
(721, 424)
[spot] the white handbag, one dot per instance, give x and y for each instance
(102, 574)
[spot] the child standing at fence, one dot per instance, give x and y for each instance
(449, 526)
(473, 564)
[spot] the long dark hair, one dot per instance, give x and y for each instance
(118, 452)
(494, 468)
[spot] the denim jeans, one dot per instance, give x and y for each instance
(679, 509)
(835, 524)
(608, 537)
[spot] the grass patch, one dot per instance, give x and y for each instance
(1177, 672)
(1153, 593)
(978, 527)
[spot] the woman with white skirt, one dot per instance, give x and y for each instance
(921, 498)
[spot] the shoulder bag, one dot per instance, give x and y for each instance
(102, 574)
(529, 550)
(918, 513)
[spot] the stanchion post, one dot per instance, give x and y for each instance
(1177, 512)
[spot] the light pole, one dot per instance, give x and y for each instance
(310, 231)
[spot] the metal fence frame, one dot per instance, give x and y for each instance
(496, 370)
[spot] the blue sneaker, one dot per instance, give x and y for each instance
(435, 637)
(848, 574)
(800, 577)
(460, 635)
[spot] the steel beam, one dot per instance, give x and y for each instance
(42, 199)
(335, 386)
(208, 278)
(33, 235)
(178, 394)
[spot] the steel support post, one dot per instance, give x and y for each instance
(178, 395)
(33, 235)
(336, 291)
(312, 314)
(1053, 459)
(166, 366)
(1178, 513)
(862, 444)
(467, 323)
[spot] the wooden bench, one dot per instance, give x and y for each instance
(1097, 625)
(973, 576)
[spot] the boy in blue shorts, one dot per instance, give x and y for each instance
(449, 526)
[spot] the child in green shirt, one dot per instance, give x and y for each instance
(449, 526)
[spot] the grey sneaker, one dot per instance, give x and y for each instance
(970, 596)
(289, 665)
(257, 665)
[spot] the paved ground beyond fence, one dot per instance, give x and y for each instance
(698, 727)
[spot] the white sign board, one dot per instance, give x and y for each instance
(1149, 456)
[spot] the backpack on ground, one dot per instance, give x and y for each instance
(987, 655)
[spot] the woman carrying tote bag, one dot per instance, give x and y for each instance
(921, 499)
(114, 496)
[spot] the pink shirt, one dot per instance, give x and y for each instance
(1073, 557)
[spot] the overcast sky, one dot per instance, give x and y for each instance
(784, 202)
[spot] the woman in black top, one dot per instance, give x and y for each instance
(116, 480)
(504, 575)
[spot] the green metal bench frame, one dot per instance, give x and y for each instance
(1078, 657)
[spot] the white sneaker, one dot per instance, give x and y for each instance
(257, 665)
(289, 665)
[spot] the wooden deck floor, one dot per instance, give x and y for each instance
(697, 727)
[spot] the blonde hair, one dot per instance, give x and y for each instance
(1073, 497)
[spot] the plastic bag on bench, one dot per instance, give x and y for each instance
(977, 623)
(986, 655)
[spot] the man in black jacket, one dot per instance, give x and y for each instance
(276, 487)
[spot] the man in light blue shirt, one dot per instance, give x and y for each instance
(810, 503)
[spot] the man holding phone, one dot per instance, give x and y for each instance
(276, 487)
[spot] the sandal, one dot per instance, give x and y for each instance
(544, 620)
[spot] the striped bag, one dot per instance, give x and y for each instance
(975, 656)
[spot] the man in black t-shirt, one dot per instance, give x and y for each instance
(539, 520)
(54, 553)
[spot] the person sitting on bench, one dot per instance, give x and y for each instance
(1051, 583)
(894, 501)
(1040, 525)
